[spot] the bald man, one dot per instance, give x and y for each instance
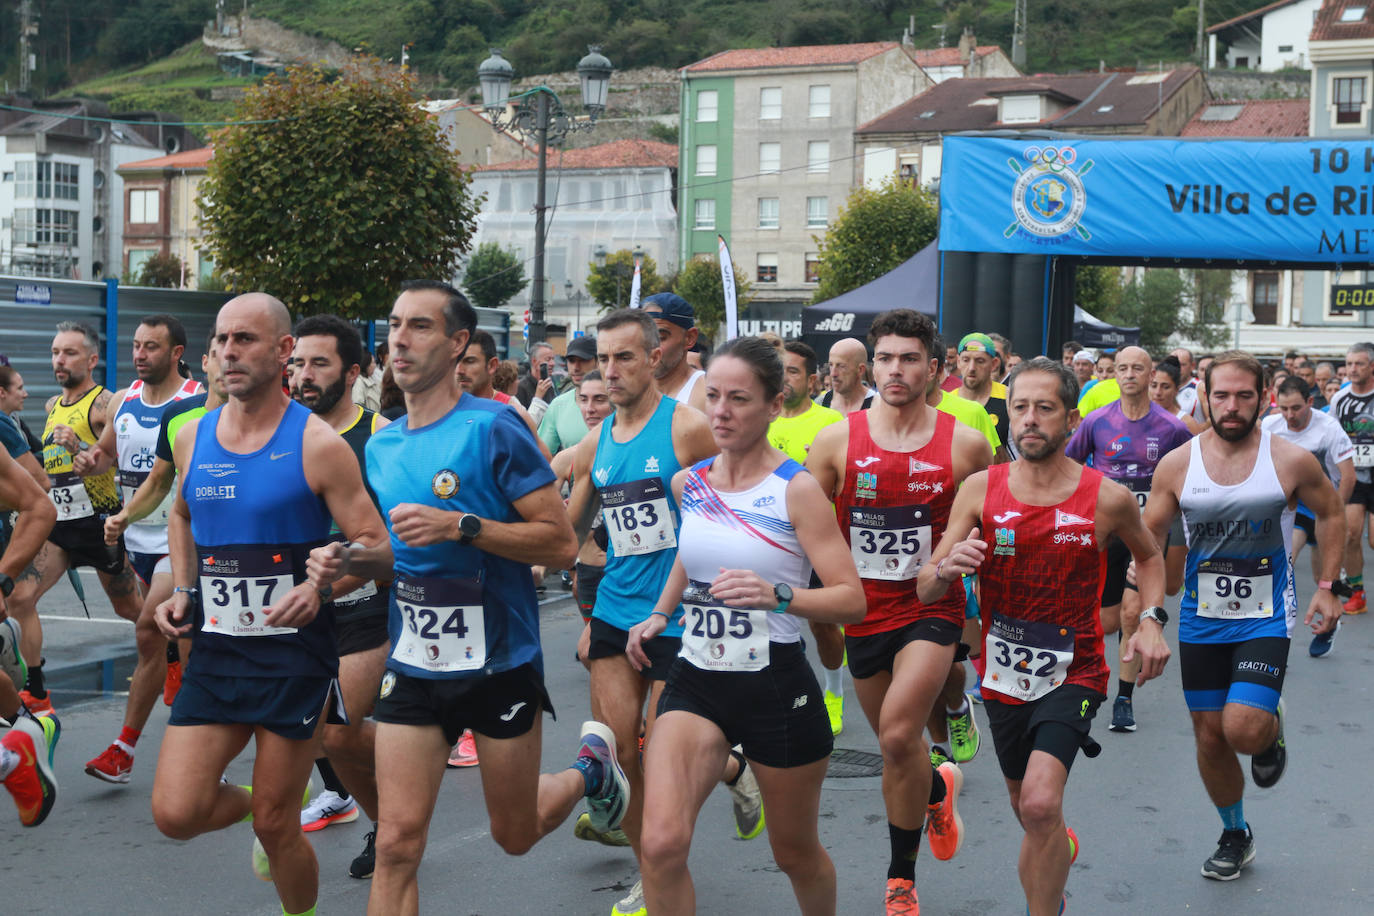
(261, 477)
(1125, 441)
(848, 393)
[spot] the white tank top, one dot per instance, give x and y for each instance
(136, 427)
(684, 394)
(744, 530)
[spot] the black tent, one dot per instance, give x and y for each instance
(913, 284)
(1098, 334)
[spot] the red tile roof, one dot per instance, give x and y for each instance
(811, 56)
(616, 154)
(190, 159)
(949, 57)
(1329, 27)
(1267, 118)
(1253, 14)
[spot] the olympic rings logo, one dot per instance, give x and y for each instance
(1051, 158)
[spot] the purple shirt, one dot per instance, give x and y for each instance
(1127, 450)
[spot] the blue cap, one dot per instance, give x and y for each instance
(670, 307)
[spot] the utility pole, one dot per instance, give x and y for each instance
(1018, 35)
(1202, 35)
(28, 31)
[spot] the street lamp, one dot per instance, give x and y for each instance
(577, 299)
(541, 111)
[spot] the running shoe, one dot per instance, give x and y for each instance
(976, 694)
(1356, 605)
(1267, 766)
(11, 662)
(938, 755)
(748, 804)
(834, 705)
(1341, 588)
(963, 736)
(36, 706)
(1321, 643)
(944, 827)
(1073, 845)
(584, 830)
(901, 898)
(113, 765)
(52, 731)
(633, 903)
(31, 782)
(607, 806)
(464, 752)
(1235, 850)
(172, 685)
(261, 866)
(1123, 715)
(366, 862)
(329, 807)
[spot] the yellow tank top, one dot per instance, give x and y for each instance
(100, 489)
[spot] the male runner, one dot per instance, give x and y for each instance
(847, 393)
(677, 333)
(470, 503)
(1236, 485)
(260, 480)
(76, 419)
(978, 364)
(474, 375)
(892, 471)
(1320, 434)
(563, 426)
(1046, 671)
(132, 421)
(1125, 440)
(1353, 408)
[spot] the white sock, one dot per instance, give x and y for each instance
(124, 747)
(962, 708)
(8, 761)
(834, 681)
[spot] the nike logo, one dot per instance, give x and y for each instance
(865, 462)
(1006, 516)
(308, 719)
(275, 455)
(513, 710)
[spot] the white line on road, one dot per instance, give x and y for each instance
(87, 619)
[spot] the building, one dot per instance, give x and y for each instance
(767, 145)
(161, 210)
(968, 61)
(1272, 37)
(470, 135)
(601, 199)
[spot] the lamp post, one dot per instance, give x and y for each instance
(577, 300)
(541, 111)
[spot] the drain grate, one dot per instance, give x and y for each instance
(847, 764)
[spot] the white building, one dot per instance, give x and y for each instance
(1272, 37)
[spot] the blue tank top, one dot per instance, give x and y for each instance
(457, 611)
(641, 518)
(255, 520)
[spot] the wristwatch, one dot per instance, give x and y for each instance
(1157, 614)
(6, 585)
(783, 592)
(469, 526)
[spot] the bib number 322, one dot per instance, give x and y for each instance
(1026, 659)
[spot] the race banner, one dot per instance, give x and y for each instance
(727, 283)
(634, 287)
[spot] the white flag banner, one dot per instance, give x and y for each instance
(727, 283)
(634, 287)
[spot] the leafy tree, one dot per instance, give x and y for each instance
(1164, 302)
(877, 230)
(162, 270)
(493, 276)
(344, 193)
(1098, 289)
(699, 283)
(610, 283)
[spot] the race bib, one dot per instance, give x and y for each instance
(1235, 589)
(1363, 455)
(1026, 660)
(237, 587)
(129, 482)
(360, 594)
(889, 542)
(69, 495)
(720, 638)
(442, 626)
(1139, 487)
(637, 517)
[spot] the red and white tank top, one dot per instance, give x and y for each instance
(893, 508)
(501, 397)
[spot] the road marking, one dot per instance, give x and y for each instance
(86, 619)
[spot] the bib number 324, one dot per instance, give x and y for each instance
(442, 626)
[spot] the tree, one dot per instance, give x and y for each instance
(877, 230)
(699, 283)
(344, 190)
(493, 276)
(1097, 288)
(1164, 302)
(610, 283)
(162, 270)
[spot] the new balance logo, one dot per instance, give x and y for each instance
(799, 702)
(1006, 516)
(513, 710)
(865, 462)
(1064, 519)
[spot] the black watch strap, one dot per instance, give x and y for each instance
(6, 585)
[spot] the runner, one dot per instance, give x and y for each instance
(1321, 435)
(977, 364)
(753, 521)
(1353, 408)
(474, 375)
(128, 440)
(563, 426)
(848, 393)
(892, 472)
(76, 419)
(260, 479)
(470, 503)
(1040, 581)
(1125, 441)
(1235, 486)
(677, 333)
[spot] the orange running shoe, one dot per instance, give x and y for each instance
(944, 827)
(901, 898)
(464, 752)
(113, 765)
(1073, 845)
(1355, 604)
(31, 782)
(36, 706)
(172, 685)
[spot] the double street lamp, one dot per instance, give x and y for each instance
(541, 111)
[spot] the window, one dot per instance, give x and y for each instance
(708, 101)
(817, 212)
(768, 213)
(768, 268)
(1348, 93)
(1285, 49)
(705, 213)
(770, 103)
(1265, 301)
(818, 102)
(813, 267)
(770, 158)
(45, 227)
(64, 180)
(1020, 109)
(818, 156)
(137, 258)
(145, 206)
(1242, 63)
(46, 180)
(706, 160)
(1352, 14)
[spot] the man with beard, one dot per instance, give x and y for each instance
(1046, 672)
(1353, 408)
(677, 333)
(76, 420)
(129, 439)
(1235, 486)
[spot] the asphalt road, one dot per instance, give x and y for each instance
(1139, 809)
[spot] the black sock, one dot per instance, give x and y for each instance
(905, 844)
(36, 688)
(173, 653)
(937, 787)
(1125, 688)
(740, 772)
(331, 779)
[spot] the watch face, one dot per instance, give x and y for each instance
(784, 591)
(470, 525)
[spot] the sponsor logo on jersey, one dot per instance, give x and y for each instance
(865, 462)
(445, 484)
(865, 485)
(1005, 517)
(602, 475)
(1005, 539)
(917, 466)
(1064, 519)
(651, 466)
(389, 683)
(921, 486)
(764, 501)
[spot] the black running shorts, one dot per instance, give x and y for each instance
(871, 654)
(1057, 724)
(502, 705)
